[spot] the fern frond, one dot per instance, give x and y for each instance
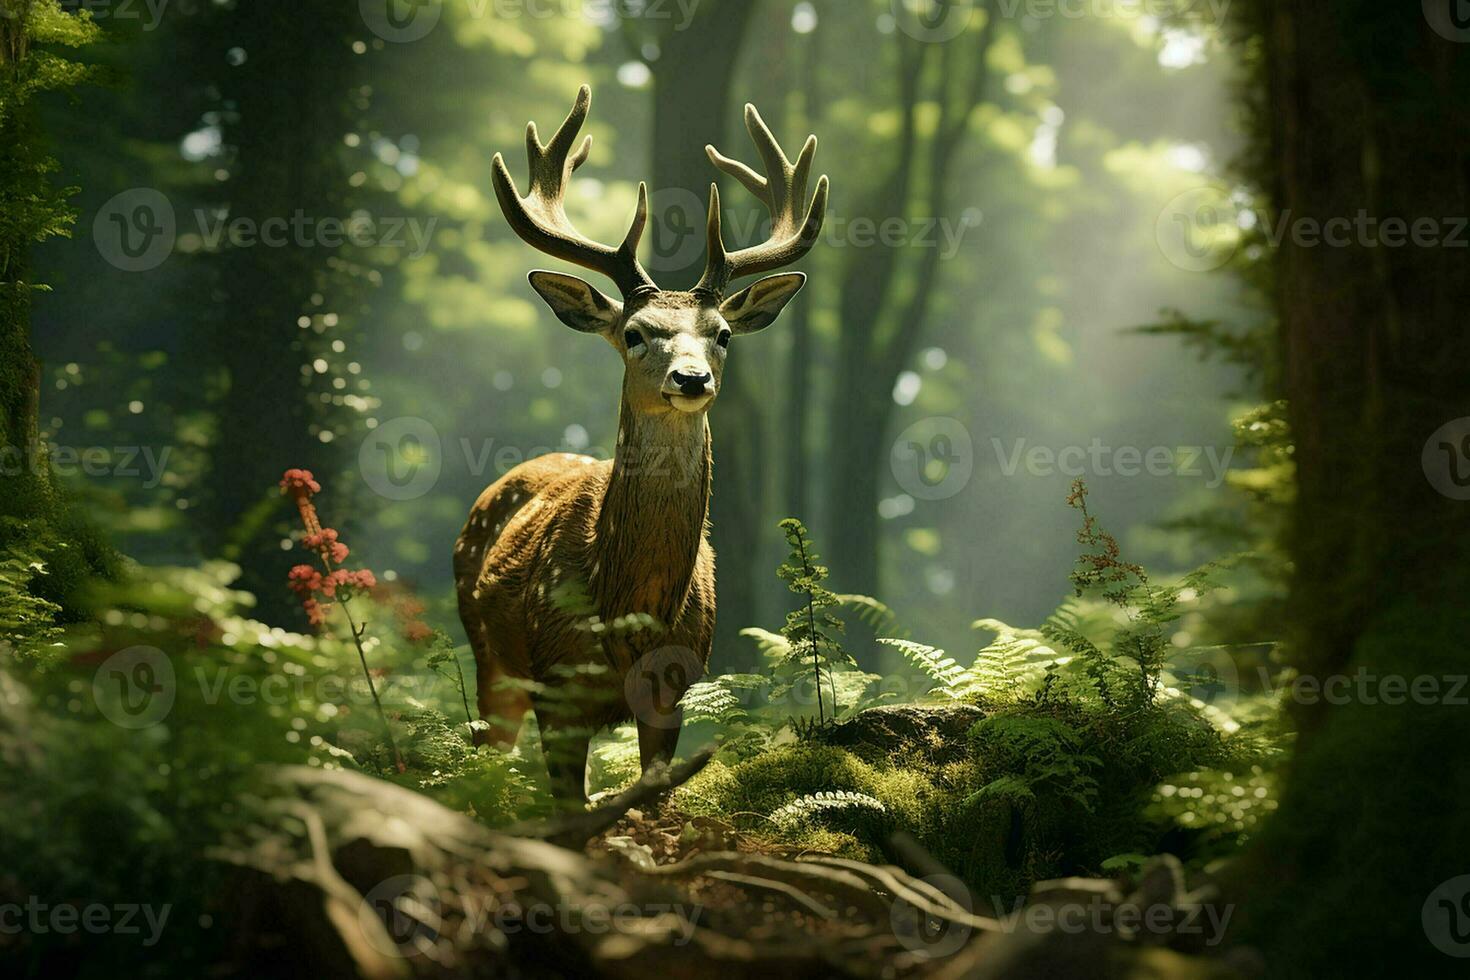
(931, 660)
(878, 615)
(815, 806)
(711, 701)
(773, 646)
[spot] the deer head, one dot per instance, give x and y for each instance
(673, 343)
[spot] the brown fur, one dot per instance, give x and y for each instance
(630, 532)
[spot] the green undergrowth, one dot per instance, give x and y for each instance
(1078, 747)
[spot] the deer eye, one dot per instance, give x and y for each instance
(723, 339)
(632, 338)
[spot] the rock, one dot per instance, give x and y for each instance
(937, 731)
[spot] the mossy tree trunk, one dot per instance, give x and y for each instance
(1364, 111)
(33, 35)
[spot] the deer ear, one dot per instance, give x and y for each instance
(576, 303)
(756, 306)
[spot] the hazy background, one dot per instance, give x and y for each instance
(410, 368)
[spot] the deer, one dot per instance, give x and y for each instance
(631, 533)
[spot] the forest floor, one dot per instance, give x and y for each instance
(635, 888)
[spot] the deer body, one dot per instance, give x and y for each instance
(629, 532)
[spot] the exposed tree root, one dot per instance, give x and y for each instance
(346, 875)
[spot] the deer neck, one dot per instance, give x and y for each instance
(652, 518)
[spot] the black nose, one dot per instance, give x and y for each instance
(691, 384)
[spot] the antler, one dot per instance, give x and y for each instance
(782, 190)
(540, 218)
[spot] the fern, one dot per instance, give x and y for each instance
(711, 701)
(877, 615)
(1035, 758)
(27, 620)
(933, 661)
(1003, 667)
(773, 646)
(820, 806)
(810, 630)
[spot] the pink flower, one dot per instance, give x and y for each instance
(297, 482)
(317, 588)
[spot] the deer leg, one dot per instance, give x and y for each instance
(658, 742)
(565, 747)
(504, 708)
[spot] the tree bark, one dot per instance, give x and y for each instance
(288, 107)
(1365, 113)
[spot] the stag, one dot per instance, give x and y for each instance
(629, 534)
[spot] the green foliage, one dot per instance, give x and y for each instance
(810, 630)
(951, 677)
(1003, 667)
(1069, 767)
(27, 620)
(1041, 761)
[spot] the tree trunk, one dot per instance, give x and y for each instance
(796, 479)
(692, 107)
(1365, 113)
(878, 340)
(293, 103)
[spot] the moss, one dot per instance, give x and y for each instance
(1038, 791)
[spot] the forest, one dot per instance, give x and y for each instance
(1013, 535)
